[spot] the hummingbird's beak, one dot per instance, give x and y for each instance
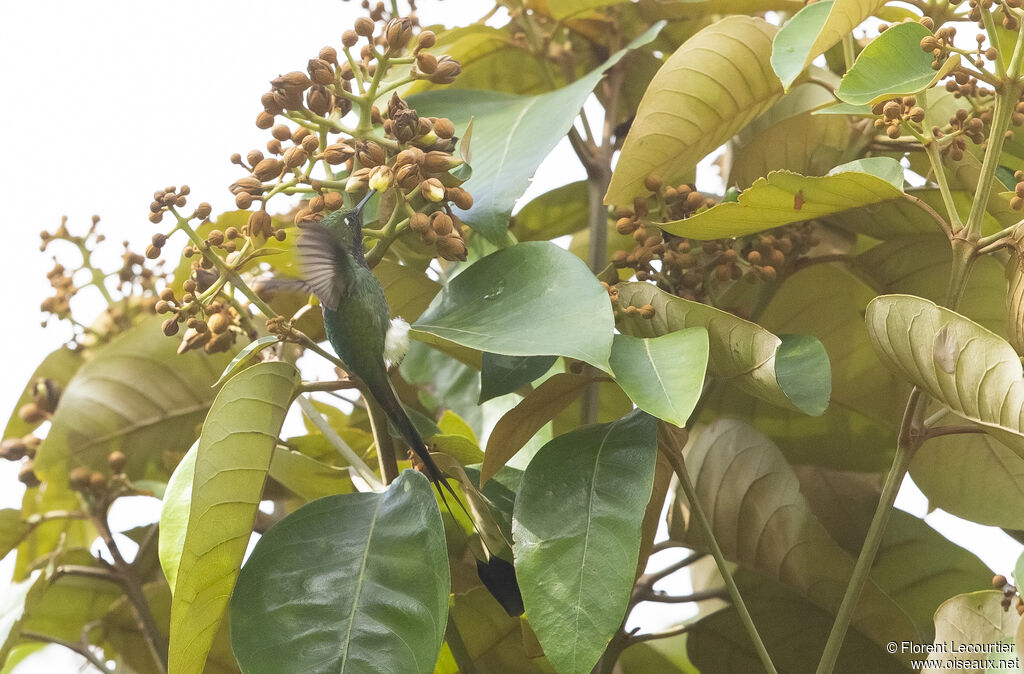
(359, 207)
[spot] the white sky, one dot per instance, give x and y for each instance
(105, 102)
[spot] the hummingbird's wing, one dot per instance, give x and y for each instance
(320, 256)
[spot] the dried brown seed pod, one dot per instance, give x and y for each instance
(460, 198)
(451, 248)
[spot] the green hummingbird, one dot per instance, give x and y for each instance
(356, 316)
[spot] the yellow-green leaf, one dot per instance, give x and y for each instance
(784, 197)
(710, 88)
(231, 463)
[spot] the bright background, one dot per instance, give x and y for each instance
(105, 102)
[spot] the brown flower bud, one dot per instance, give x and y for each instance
(439, 162)
(294, 156)
(293, 80)
(444, 128)
(78, 478)
(260, 224)
(397, 33)
(320, 71)
(310, 144)
(441, 223)
(31, 413)
(447, 70)
(338, 153)
(243, 200)
(427, 63)
(117, 460)
(426, 40)
(357, 181)
(370, 154)
(264, 120)
(652, 182)
(419, 222)
(204, 210)
(13, 449)
(451, 248)
(254, 157)
(218, 323)
(349, 38)
(280, 132)
(333, 201)
(27, 475)
(152, 252)
(98, 481)
(460, 198)
(319, 100)
(412, 155)
(408, 176)
(364, 26)
(270, 104)
(268, 169)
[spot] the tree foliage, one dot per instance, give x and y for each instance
(763, 364)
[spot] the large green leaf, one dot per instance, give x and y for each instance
(512, 135)
(711, 87)
(858, 430)
(12, 529)
(231, 463)
(59, 366)
(576, 530)
(966, 621)
(174, 515)
(353, 582)
(13, 603)
(561, 211)
(783, 198)
(741, 352)
(971, 370)
(664, 375)
(971, 475)
(531, 299)
(893, 64)
(790, 137)
(763, 522)
(813, 30)
(919, 265)
(493, 639)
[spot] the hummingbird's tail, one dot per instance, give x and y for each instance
(400, 418)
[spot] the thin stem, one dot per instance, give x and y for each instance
(665, 598)
(939, 431)
(943, 225)
(940, 179)
(353, 459)
(638, 638)
(339, 385)
(909, 440)
(132, 587)
(80, 648)
(385, 445)
(673, 452)
(1005, 102)
(671, 568)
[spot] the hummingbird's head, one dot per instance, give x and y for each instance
(348, 226)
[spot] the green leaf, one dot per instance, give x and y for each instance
(790, 137)
(856, 431)
(308, 478)
(711, 87)
(793, 44)
(763, 522)
(60, 366)
(971, 475)
(506, 374)
(347, 582)
(558, 212)
(231, 463)
(893, 64)
(512, 136)
(520, 423)
(813, 30)
(969, 620)
(493, 640)
(783, 198)
(484, 307)
(250, 349)
(174, 514)
(576, 530)
(12, 530)
(973, 371)
(561, 9)
(741, 352)
(663, 375)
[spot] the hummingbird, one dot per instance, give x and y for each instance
(357, 317)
